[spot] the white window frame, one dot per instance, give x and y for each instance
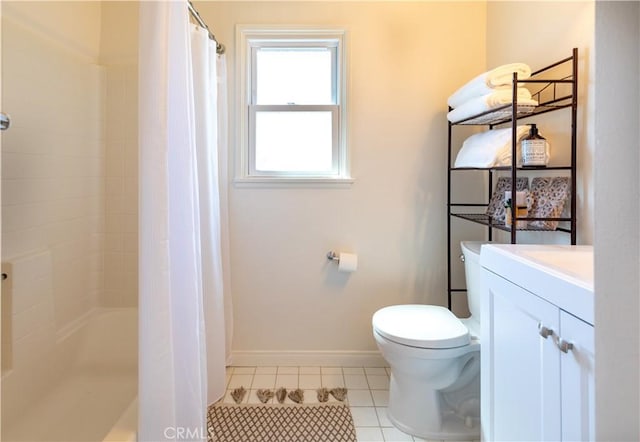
(248, 40)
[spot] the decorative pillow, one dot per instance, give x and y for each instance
(549, 195)
(496, 205)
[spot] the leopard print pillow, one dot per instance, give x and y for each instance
(549, 195)
(496, 205)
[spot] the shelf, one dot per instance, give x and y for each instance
(486, 220)
(499, 115)
(525, 168)
(552, 94)
(503, 114)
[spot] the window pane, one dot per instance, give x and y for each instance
(294, 141)
(293, 76)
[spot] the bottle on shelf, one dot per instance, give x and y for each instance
(534, 149)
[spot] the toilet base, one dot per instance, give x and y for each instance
(449, 414)
(434, 393)
(453, 428)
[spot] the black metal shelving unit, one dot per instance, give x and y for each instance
(552, 94)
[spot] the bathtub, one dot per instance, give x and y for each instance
(94, 388)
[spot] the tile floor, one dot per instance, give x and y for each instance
(368, 393)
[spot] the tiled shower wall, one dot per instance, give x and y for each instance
(69, 168)
(52, 170)
(69, 181)
(121, 187)
(53, 189)
(119, 57)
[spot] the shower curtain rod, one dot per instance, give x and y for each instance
(196, 16)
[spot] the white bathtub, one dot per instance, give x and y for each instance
(95, 383)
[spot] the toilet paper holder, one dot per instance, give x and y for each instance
(347, 262)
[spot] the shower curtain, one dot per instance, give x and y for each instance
(183, 332)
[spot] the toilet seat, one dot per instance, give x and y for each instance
(421, 326)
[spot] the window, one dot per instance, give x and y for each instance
(292, 109)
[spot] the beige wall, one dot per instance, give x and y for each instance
(556, 28)
(119, 32)
(58, 21)
(404, 60)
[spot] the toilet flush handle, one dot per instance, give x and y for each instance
(545, 332)
(462, 257)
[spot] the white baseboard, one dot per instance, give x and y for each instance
(308, 358)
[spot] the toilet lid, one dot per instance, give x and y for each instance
(423, 326)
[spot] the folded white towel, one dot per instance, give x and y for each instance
(491, 148)
(490, 101)
(498, 78)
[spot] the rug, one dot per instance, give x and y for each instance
(280, 423)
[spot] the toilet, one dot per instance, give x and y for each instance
(434, 357)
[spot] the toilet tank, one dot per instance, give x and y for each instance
(474, 276)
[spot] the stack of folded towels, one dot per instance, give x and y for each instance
(491, 148)
(488, 91)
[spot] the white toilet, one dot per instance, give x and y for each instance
(435, 362)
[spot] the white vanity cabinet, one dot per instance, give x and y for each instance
(577, 380)
(537, 357)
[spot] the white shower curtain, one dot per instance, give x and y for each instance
(182, 332)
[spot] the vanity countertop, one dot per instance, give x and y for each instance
(562, 275)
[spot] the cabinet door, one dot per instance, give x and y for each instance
(577, 379)
(524, 367)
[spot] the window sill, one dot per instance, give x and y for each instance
(293, 182)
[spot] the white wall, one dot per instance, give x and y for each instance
(404, 60)
(617, 243)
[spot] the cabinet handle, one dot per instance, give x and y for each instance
(564, 346)
(545, 332)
